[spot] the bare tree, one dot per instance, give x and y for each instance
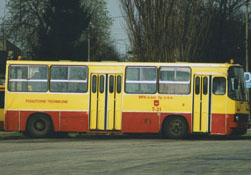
(167, 30)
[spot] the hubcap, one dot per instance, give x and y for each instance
(176, 127)
(39, 125)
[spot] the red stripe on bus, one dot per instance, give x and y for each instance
(220, 120)
(11, 121)
(132, 122)
(62, 121)
(140, 122)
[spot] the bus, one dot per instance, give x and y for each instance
(174, 99)
(2, 88)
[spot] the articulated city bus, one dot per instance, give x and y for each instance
(175, 99)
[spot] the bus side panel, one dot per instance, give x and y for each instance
(219, 124)
(74, 121)
(135, 122)
(62, 121)
(12, 121)
(139, 122)
(24, 115)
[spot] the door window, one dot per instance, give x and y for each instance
(219, 85)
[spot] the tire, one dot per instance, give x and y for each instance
(39, 126)
(175, 128)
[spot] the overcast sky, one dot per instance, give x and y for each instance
(118, 33)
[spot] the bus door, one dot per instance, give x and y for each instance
(202, 103)
(105, 101)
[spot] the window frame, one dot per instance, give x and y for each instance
(213, 90)
(175, 82)
(138, 81)
(68, 80)
(28, 79)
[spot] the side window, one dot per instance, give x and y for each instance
(94, 84)
(205, 85)
(141, 80)
(68, 79)
(174, 80)
(219, 85)
(197, 85)
(119, 81)
(28, 78)
(101, 84)
(111, 84)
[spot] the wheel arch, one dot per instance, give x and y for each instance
(35, 114)
(173, 116)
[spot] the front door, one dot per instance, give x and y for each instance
(202, 103)
(105, 101)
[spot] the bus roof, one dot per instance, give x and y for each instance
(112, 63)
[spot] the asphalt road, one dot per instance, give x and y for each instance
(110, 155)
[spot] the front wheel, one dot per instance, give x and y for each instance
(39, 125)
(175, 128)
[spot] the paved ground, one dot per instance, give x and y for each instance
(110, 155)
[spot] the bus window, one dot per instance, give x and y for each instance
(94, 84)
(68, 79)
(219, 85)
(236, 84)
(119, 84)
(141, 80)
(205, 85)
(197, 85)
(174, 80)
(28, 78)
(101, 84)
(111, 84)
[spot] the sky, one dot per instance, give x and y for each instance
(2, 5)
(118, 32)
(118, 29)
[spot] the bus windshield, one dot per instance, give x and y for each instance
(236, 84)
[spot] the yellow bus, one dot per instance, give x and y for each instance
(2, 107)
(175, 99)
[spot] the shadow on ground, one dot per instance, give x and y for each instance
(74, 136)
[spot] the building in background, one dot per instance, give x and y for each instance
(8, 51)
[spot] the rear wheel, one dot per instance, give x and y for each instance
(39, 125)
(175, 128)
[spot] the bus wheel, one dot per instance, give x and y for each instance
(39, 125)
(175, 128)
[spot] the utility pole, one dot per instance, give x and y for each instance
(246, 40)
